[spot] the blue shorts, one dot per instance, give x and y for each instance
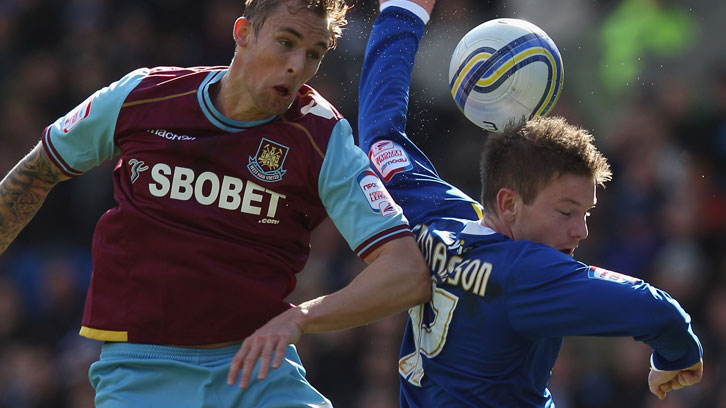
(141, 375)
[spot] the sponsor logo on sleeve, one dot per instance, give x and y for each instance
(389, 158)
(77, 115)
(375, 192)
(603, 274)
(267, 163)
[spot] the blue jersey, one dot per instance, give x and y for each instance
(500, 308)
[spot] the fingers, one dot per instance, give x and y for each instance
(660, 383)
(236, 363)
(246, 358)
(688, 378)
(265, 358)
(659, 390)
(268, 344)
(280, 351)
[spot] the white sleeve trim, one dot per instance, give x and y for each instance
(419, 11)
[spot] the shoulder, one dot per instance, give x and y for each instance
(171, 72)
(317, 118)
(526, 261)
(311, 106)
(171, 79)
(535, 264)
(528, 254)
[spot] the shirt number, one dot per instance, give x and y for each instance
(430, 323)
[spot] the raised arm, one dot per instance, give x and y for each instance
(23, 191)
(386, 75)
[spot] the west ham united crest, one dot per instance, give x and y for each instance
(267, 163)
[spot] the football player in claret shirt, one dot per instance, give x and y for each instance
(222, 173)
(507, 287)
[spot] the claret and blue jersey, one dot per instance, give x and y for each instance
(492, 331)
(214, 215)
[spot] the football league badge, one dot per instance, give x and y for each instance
(389, 158)
(79, 113)
(268, 161)
(595, 272)
(375, 192)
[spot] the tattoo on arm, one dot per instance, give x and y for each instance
(23, 191)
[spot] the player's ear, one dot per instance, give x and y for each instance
(242, 31)
(507, 204)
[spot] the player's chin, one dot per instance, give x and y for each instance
(568, 251)
(278, 104)
(281, 106)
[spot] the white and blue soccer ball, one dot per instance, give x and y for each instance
(505, 69)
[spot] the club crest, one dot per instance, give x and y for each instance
(267, 163)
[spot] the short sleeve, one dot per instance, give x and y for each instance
(355, 198)
(84, 137)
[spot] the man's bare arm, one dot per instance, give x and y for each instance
(23, 191)
(395, 279)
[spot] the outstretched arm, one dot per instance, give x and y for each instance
(23, 191)
(386, 72)
(396, 278)
(385, 79)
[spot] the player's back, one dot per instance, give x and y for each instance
(463, 348)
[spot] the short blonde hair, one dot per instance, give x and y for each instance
(334, 11)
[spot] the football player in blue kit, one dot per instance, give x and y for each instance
(507, 288)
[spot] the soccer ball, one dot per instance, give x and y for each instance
(505, 69)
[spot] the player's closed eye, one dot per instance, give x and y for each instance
(570, 213)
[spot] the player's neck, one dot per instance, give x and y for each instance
(497, 224)
(231, 100)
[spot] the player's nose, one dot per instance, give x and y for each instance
(579, 230)
(296, 63)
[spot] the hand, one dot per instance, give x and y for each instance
(428, 5)
(273, 337)
(661, 382)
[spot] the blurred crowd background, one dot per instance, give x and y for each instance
(647, 77)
